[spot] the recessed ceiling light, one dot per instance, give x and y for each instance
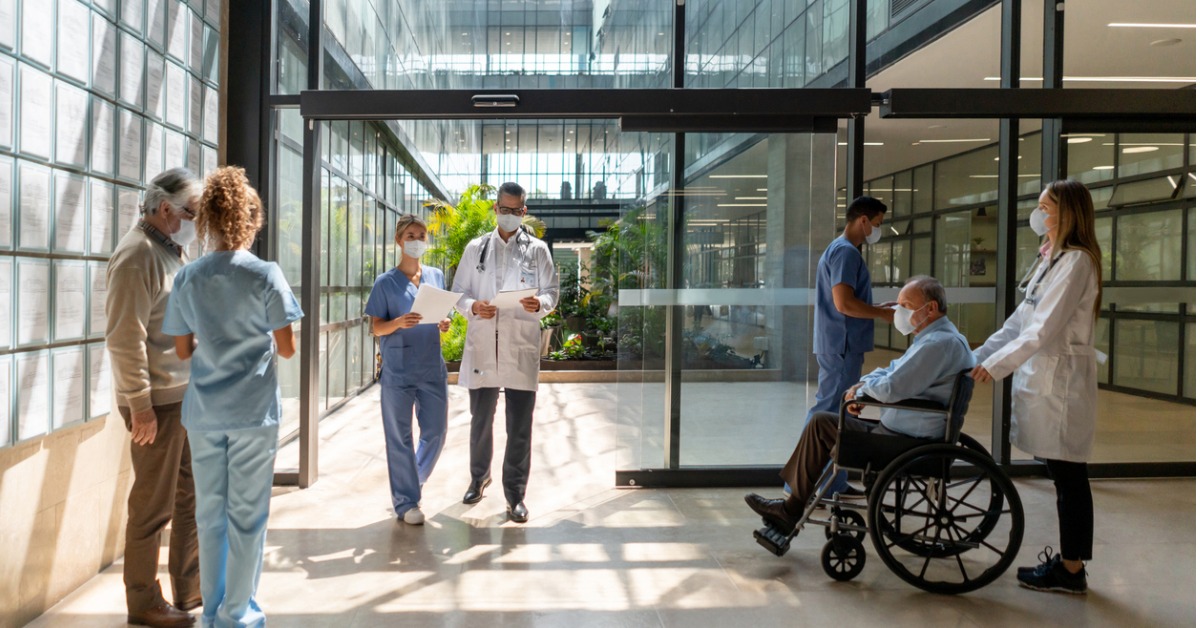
(1163, 43)
(749, 198)
(1139, 149)
(1148, 25)
(864, 144)
(1103, 168)
(953, 141)
(737, 176)
(998, 159)
(741, 204)
(1078, 140)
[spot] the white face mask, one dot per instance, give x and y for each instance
(903, 320)
(874, 234)
(1037, 221)
(415, 248)
(508, 222)
(186, 234)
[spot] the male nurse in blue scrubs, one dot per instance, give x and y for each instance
(844, 325)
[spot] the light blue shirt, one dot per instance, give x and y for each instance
(926, 371)
(232, 301)
(834, 332)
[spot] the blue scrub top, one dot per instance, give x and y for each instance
(414, 354)
(232, 301)
(834, 332)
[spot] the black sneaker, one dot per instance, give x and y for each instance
(1052, 576)
(1047, 557)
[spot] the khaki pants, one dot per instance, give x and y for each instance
(162, 492)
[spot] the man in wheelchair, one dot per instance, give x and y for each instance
(927, 370)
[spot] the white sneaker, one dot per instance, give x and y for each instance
(414, 517)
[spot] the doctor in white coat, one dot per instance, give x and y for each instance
(503, 346)
(1047, 345)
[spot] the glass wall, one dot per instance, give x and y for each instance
(97, 98)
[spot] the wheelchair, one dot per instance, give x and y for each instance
(941, 514)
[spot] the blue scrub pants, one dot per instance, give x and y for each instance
(408, 470)
(837, 373)
(233, 470)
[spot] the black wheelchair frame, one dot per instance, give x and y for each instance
(926, 515)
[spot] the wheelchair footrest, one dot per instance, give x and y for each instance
(776, 542)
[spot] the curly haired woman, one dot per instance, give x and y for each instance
(231, 313)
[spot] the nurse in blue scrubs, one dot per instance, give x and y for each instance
(232, 314)
(414, 373)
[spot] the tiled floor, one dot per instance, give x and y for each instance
(595, 555)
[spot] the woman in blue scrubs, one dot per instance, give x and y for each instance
(232, 314)
(414, 373)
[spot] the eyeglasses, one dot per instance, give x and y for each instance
(510, 211)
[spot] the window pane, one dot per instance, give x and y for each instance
(1148, 247)
(967, 179)
(1149, 152)
(1102, 326)
(1147, 355)
(1090, 156)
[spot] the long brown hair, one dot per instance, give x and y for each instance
(1077, 225)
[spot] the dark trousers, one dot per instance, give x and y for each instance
(518, 414)
(163, 491)
(813, 452)
(1075, 518)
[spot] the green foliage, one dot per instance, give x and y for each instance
(454, 339)
(572, 349)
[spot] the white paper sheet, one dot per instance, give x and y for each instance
(68, 385)
(70, 313)
(70, 213)
(176, 95)
(129, 165)
(127, 210)
(33, 315)
(132, 63)
(36, 112)
(434, 304)
(6, 192)
(101, 215)
(6, 297)
(99, 381)
(104, 56)
(34, 229)
(70, 128)
(97, 317)
(6, 101)
(5, 398)
(103, 117)
(37, 31)
(511, 299)
(33, 394)
(74, 19)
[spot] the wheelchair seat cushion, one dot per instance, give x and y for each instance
(861, 450)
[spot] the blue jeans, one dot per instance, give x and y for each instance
(837, 373)
(234, 470)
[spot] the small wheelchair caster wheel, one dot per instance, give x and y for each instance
(843, 558)
(847, 517)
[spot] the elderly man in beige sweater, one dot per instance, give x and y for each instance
(150, 380)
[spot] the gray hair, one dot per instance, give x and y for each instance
(176, 186)
(931, 289)
(511, 189)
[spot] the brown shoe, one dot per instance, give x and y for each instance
(189, 605)
(162, 615)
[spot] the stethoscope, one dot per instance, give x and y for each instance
(481, 266)
(1024, 285)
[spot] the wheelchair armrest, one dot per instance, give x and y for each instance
(919, 405)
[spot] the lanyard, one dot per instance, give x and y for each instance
(1037, 282)
(481, 266)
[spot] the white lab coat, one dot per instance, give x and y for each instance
(509, 358)
(1049, 347)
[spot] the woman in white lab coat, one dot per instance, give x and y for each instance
(1047, 345)
(502, 348)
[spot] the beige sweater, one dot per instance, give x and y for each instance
(145, 369)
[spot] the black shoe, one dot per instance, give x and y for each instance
(518, 513)
(475, 491)
(1051, 575)
(772, 512)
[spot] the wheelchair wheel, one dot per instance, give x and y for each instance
(946, 519)
(843, 557)
(847, 517)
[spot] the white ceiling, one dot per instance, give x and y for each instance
(969, 54)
